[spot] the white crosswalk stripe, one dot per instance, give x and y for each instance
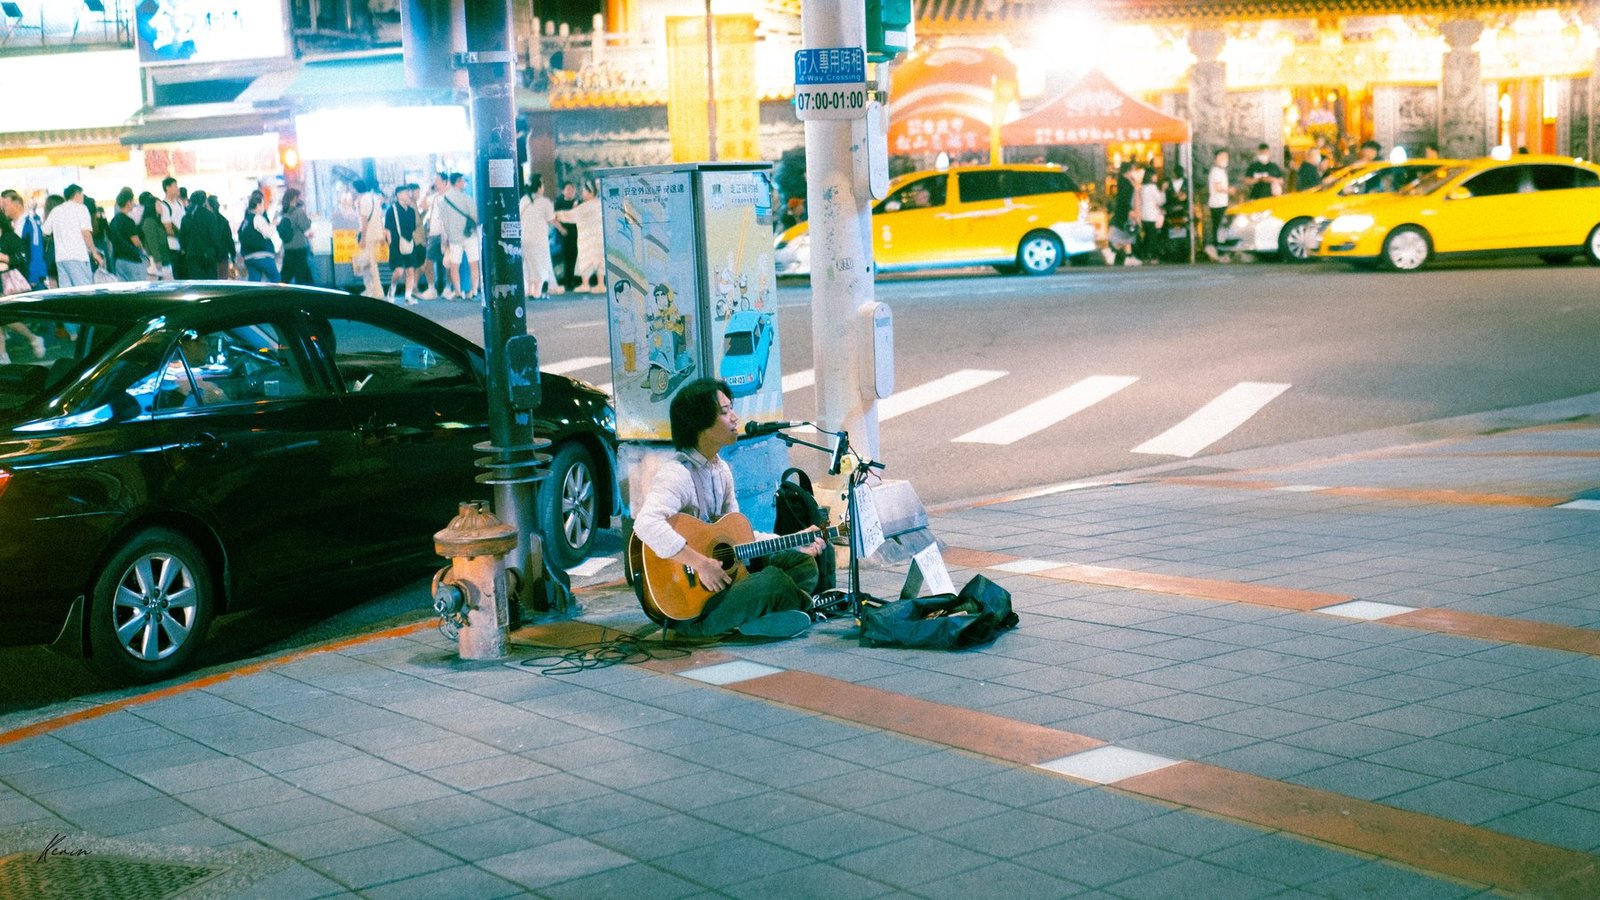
(1214, 421)
(576, 364)
(1041, 414)
(933, 391)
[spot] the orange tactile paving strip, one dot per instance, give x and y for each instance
(1426, 842)
(1496, 628)
(1435, 845)
(95, 712)
(977, 732)
(1453, 498)
(1440, 621)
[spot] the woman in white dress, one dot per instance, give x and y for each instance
(538, 215)
(591, 253)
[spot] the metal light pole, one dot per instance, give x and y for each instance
(514, 465)
(839, 210)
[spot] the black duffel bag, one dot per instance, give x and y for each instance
(941, 622)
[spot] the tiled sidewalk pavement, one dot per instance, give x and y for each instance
(389, 769)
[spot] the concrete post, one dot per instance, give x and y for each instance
(840, 213)
(1461, 101)
(1208, 95)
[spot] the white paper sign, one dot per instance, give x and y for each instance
(869, 529)
(935, 577)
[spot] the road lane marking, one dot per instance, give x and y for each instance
(597, 323)
(798, 380)
(577, 363)
(1039, 415)
(930, 392)
(1214, 421)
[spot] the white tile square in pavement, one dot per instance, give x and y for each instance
(1027, 566)
(730, 672)
(1107, 765)
(1580, 504)
(1369, 610)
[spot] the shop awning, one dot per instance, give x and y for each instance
(63, 147)
(227, 122)
(1094, 111)
(361, 81)
(945, 100)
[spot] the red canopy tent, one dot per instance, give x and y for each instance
(944, 100)
(1094, 111)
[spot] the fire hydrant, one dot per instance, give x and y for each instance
(474, 591)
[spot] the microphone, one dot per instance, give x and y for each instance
(752, 429)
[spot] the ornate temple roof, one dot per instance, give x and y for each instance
(989, 16)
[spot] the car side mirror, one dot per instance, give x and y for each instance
(1458, 194)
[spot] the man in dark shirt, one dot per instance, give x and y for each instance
(127, 249)
(569, 237)
(1263, 177)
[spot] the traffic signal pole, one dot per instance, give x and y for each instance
(513, 465)
(838, 206)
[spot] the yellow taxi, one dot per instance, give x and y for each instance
(1285, 226)
(1545, 206)
(1024, 218)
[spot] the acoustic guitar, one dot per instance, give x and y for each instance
(671, 590)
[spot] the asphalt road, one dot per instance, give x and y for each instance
(1339, 351)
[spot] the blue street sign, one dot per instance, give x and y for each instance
(832, 65)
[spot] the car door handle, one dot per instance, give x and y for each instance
(205, 442)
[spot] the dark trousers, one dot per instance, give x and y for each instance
(297, 266)
(786, 583)
(569, 258)
(1217, 212)
(1151, 241)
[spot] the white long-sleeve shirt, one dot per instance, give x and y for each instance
(686, 483)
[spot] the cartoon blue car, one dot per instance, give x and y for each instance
(746, 345)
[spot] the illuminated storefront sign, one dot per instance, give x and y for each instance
(74, 90)
(193, 31)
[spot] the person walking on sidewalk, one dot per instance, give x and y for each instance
(462, 237)
(154, 236)
(127, 248)
(405, 256)
(1217, 197)
(369, 237)
(72, 229)
(698, 482)
(293, 227)
(258, 241)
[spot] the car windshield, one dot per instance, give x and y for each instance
(738, 343)
(39, 353)
(1430, 182)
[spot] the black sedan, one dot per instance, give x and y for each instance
(169, 452)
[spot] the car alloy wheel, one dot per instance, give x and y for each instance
(150, 607)
(1406, 249)
(1039, 254)
(1591, 247)
(1294, 245)
(569, 506)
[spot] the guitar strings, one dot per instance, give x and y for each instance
(623, 649)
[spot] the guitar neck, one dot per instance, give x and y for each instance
(757, 549)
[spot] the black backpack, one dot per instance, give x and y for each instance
(797, 511)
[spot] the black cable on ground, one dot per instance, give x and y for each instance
(624, 649)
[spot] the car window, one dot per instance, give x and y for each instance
(980, 187)
(1384, 181)
(1555, 177)
(374, 358)
(923, 193)
(1030, 183)
(738, 343)
(1426, 184)
(37, 354)
(1493, 183)
(238, 364)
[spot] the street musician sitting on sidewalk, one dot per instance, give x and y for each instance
(698, 482)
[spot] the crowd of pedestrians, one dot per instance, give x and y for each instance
(433, 242)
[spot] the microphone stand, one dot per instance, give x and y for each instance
(858, 478)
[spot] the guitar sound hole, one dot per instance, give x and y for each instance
(724, 555)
